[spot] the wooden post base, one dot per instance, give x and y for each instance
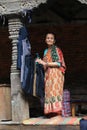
(5, 102)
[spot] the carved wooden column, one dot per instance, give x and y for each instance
(20, 108)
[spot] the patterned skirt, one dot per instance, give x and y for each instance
(54, 81)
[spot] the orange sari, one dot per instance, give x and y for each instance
(54, 81)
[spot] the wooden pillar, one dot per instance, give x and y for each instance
(20, 107)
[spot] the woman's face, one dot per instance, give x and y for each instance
(50, 40)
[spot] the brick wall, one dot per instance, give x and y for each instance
(5, 56)
(72, 39)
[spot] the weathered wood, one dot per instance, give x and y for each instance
(76, 103)
(51, 127)
(9, 127)
(5, 102)
(39, 127)
(16, 6)
(20, 107)
(83, 1)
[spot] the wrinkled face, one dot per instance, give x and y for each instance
(50, 39)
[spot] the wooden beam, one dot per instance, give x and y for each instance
(16, 6)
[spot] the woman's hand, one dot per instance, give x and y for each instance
(40, 62)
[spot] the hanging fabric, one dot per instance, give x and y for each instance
(32, 74)
(28, 75)
(26, 51)
(24, 60)
(38, 86)
(23, 38)
(33, 78)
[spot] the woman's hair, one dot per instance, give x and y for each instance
(52, 34)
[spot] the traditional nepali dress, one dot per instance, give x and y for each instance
(54, 81)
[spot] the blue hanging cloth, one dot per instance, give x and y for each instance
(28, 67)
(28, 75)
(24, 60)
(23, 37)
(39, 80)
